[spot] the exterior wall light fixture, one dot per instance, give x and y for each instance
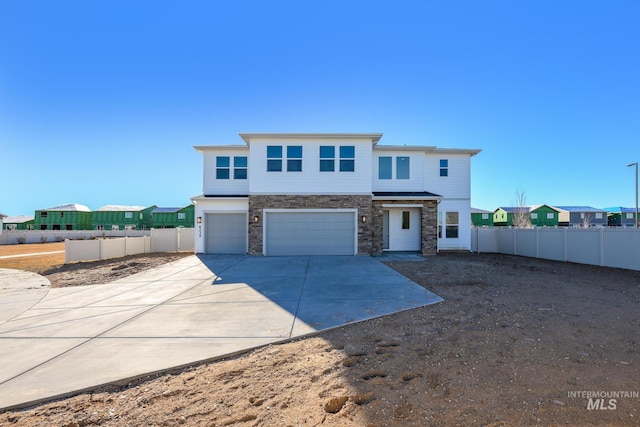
(199, 220)
(256, 219)
(363, 218)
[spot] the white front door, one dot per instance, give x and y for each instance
(404, 229)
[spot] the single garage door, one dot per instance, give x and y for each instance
(226, 233)
(310, 233)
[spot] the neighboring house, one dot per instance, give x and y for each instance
(481, 218)
(503, 216)
(2, 217)
(618, 216)
(173, 217)
(20, 222)
(544, 216)
(540, 215)
(332, 194)
(117, 217)
(581, 216)
(65, 217)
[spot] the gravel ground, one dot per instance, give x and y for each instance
(515, 343)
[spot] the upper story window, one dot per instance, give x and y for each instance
(128, 215)
(550, 215)
(444, 167)
(384, 167)
(327, 158)
(598, 215)
(222, 167)
(402, 167)
(485, 216)
(294, 158)
(181, 215)
(347, 158)
(534, 215)
(240, 167)
(43, 214)
(274, 158)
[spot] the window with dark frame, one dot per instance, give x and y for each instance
(402, 167)
(406, 220)
(240, 167)
(222, 167)
(274, 158)
(294, 158)
(347, 158)
(327, 158)
(384, 167)
(444, 167)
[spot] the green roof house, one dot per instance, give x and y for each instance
(481, 218)
(117, 217)
(173, 217)
(65, 217)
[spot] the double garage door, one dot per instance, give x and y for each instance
(285, 233)
(310, 233)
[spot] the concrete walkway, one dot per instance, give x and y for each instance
(194, 309)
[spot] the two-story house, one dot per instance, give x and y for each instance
(332, 194)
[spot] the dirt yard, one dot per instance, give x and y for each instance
(516, 342)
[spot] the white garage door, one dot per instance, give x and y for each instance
(226, 233)
(310, 233)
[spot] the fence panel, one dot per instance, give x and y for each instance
(113, 248)
(187, 241)
(551, 244)
(164, 240)
(81, 250)
(526, 243)
(610, 247)
(622, 249)
(505, 239)
(584, 246)
(136, 245)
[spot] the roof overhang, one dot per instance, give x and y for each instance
(406, 195)
(374, 137)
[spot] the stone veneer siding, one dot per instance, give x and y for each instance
(258, 203)
(428, 224)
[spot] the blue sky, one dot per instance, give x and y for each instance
(101, 102)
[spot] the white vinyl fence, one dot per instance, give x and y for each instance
(607, 247)
(12, 237)
(160, 240)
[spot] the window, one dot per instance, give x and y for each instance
(294, 158)
(452, 225)
(69, 227)
(347, 156)
(534, 215)
(182, 215)
(402, 167)
(99, 227)
(384, 167)
(274, 158)
(550, 215)
(128, 215)
(327, 158)
(485, 216)
(43, 215)
(444, 167)
(405, 219)
(598, 215)
(629, 215)
(240, 167)
(222, 167)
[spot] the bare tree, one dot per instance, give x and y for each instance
(521, 217)
(586, 220)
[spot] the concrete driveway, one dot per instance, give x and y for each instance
(194, 309)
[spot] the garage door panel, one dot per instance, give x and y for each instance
(226, 233)
(310, 233)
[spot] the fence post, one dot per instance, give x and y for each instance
(101, 251)
(602, 246)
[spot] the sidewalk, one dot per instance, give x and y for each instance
(194, 309)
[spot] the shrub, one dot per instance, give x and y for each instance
(21, 239)
(43, 239)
